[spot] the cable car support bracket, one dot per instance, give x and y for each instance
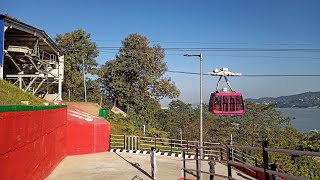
(223, 72)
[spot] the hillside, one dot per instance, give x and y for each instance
(12, 95)
(303, 100)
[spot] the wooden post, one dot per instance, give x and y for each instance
(243, 159)
(197, 163)
(124, 141)
(171, 145)
(265, 159)
(229, 165)
(184, 165)
(109, 142)
(187, 147)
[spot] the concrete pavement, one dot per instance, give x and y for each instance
(116, 166)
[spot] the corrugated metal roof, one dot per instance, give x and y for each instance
(9, 21)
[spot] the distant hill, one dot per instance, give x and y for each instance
(303, 100)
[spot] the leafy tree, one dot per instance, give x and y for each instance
(135, 76)
(176, 118)
(79, 51)
(153, 132)
(261, 122)
(180, 107)
(144, 110)
(264, 122)
(311, 142)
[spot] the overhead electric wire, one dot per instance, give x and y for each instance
(112, 49)
(115, 50)
(253, 75)
(218, 49)
(204, 49)
(232, 56)
(225, 43)
(244, 75)
(237, 56)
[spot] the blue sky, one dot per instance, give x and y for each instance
(198, 24)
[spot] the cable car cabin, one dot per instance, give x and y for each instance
(226, 103)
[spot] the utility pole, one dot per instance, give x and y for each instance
(201, 110)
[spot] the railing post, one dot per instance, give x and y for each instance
(197, 162)
(187, 147)
(232, 154)
(124, 141)
(155, 143)
(256, 164)
(184, 165)
(265, 159)
(109, 142)
(221, 156)
(171, 145)
(229, 165)
(243, 159)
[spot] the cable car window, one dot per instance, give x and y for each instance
(211, 102)
(217, 103)
(225, 103)
(239, 103)
(232, 105)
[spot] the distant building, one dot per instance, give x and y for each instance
(118, 111)
(315, 131)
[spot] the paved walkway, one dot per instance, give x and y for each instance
(116, 166)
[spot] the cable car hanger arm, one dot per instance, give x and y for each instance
(223, 72)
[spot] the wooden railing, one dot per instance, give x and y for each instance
(261, 173)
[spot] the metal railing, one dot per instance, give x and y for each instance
(261, 173)
(129, 142)
(116, 141)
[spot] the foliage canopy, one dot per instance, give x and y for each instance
(79, 51)
(135, 80)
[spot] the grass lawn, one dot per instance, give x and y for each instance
(12, 95)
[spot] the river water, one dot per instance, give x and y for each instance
(306, 119)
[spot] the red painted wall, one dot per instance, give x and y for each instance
(85, 137)
(32, 143)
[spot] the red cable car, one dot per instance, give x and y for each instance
(226, 102)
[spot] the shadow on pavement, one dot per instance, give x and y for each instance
(136, 165)
(136, 177)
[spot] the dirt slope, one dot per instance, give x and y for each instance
(91, 108)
